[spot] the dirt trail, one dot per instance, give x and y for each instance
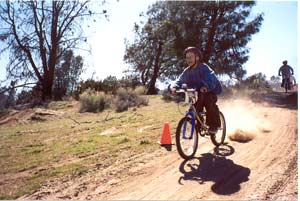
(264, 168)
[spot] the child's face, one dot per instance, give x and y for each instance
(191, 59)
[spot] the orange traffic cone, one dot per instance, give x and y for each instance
(166, 135)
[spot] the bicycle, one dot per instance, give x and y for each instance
(186, 139)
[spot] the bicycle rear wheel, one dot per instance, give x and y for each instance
(286, 86)
(186, 140)
(218, 138)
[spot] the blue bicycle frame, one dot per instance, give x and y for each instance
(191, 113)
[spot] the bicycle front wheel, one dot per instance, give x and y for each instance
(218, 138)
(186, 139)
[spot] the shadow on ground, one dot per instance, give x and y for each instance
(279, 99)
(226, 175)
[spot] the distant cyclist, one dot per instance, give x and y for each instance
(285, 71)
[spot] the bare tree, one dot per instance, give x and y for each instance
(37, 33)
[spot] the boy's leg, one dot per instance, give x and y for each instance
(200, 103)
(212, 111)
(290, 84)
(199, 108)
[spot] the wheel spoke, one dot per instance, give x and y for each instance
(186, 146)
(218, 138)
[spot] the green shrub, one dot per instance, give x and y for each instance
(144, 142)
(92, 101)
(168, 97)
(124, 140)
(59, 105)
(140, 90)
(128, 98)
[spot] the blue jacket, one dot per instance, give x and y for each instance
(199, 76)
(285, 70)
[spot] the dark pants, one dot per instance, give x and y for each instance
(209, 101)
(284, 80)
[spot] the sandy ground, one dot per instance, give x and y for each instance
(264, 168)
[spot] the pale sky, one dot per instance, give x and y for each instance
(107, 41)
(276, 41)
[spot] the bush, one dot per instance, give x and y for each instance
(140, 90)
(92, 101)
(128, 98)
(31, 97)
(168, 97)
(144, 142)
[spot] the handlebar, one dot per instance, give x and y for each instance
(185, 90)
(191, 95)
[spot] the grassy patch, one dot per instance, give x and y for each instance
(124, 140)
(75, 168)
(37, 152)
(59, 105)
(144, 142)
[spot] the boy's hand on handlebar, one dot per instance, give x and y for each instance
(173, 91)
(203, 89)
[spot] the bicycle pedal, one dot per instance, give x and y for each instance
(201, 134)
(209, 134)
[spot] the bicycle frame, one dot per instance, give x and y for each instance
(191, 97)
(186, 137)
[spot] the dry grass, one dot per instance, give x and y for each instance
(34, 152)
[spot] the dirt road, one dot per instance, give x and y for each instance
(263, 168)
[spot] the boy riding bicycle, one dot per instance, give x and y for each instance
(200, 76)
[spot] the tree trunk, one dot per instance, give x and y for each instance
(47, 83)
(151, 88)
(47, 87)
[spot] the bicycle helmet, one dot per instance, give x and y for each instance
(195, 50)
(285, 62)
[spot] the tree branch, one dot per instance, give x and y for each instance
(39, 32)
(14, 87)
(62, 30)
(27, 51)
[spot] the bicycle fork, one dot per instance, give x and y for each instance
(193, 117)
(190, 114)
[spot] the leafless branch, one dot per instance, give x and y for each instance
(18, 86)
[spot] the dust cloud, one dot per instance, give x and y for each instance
(244, 119)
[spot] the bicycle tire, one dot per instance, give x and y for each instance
(286, 85)
(221, 133)
(186, 154)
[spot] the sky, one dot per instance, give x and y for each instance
(108, 37)
(276, 41)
